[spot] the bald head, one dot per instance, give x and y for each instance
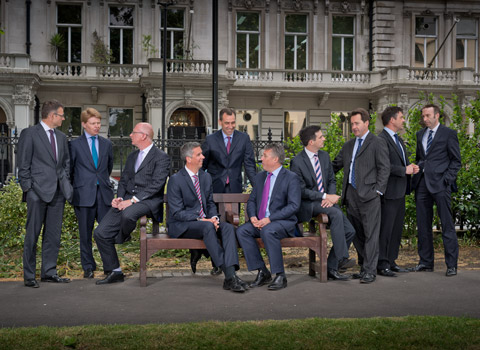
(146, 128)
(142, 135)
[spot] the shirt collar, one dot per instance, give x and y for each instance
(435, 128)
(191, 173)
(87, 135)
(147, 149)
(45, 126)
(364, 136)
(309, 153)
(225, 135)
(390, 131)
(276, 171)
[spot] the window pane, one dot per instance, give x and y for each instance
(348, 54)
(62, 54)
(467, 27)
(178, 46)
(76, 45)
(343, 25)
(120, 122)
(289, 51)
(121, 16)
(69, 14)
(253, 51)
(241, 50)
(72, 117)
(336, 53)
(294, 122)
(419, 58)
(470, 44)
(431, 48)
(301, 52)
(296, 23)
(460, 53)
(248, 21)
(115, 44)
(425, 26)
(127, 46)
(175, 18)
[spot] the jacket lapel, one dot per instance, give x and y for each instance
(235, 141)
(86, 149)
(393, 143)
(147, 158)
(221, 143)
(365, 143)
(308, 165)
(44, 138)
(279, 179)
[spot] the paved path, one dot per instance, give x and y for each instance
(201, 298)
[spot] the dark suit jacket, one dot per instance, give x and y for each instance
(442, 163)
(148, 183)
(219, 164)
(85, 176)
(372, 166)
(284, 202)
(183, 203)
(398, 182)
(302, 166)
(37, 169)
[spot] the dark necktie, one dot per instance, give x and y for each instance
(429, 141)
(94, 152)
(199, 195)
(318, 173)
(263, 205)
(353, 165)
(52, 143)
(397, 141)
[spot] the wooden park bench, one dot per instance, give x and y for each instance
(229, 206)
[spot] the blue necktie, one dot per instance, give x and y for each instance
(94, 152)
(429, 141)
(400, 148)
(353, 166)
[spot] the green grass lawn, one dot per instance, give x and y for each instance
(424, 332)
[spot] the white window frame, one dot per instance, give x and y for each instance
(342, 45)
(295, 35)
(475, 38)
(171, 31)
(425, 39)
(247, 44)
(69, 26)
(121, 33)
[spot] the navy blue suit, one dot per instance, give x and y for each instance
(184, 210)
(283, 205)
(221, 165)
(435, 182)
(92, 190)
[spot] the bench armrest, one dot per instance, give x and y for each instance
(232, 218)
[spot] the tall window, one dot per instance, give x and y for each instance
(248, 40)
(296, 37)
(175, 33)
(425, 41)
(121, 34)
(467, 44)
(294, 121)
(69, 25)
(343, 44)
(72, 118)
(120, 122)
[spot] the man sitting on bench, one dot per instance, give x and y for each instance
(273, 203)
(193, 214)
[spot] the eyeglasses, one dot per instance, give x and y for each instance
(137, 132)
(60, 115)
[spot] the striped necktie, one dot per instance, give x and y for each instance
(318, 174)
(199, 195)
(429, 141)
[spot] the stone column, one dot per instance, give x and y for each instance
(154, 109)
(24, 101)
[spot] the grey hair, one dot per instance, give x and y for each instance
(187, 150)
(277, 150)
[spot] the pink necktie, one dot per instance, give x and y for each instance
(228, 151)
(199, 195)
(52, 143)
(318, 174)
(266, 192)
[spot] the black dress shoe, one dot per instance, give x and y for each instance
(279, 282)
(421, 268)
(88, 273)
(451, 271)
(55, 279)
(397, 268)
(335, 275)
(357, 276)
(32, 282)
(215, 271)
(242, 282)
(234, 284)
(368, 278)
(195, 255)
(262, 278)
(386, 273)
(346, 263)
(112, 277)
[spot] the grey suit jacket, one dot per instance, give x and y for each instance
(398, 182)
(183, 203)
(37, 168)
(148, 183)
(372, 166)
(302, 166)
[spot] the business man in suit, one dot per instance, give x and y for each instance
(193, 214)
(43, 171)
(273, 203)
(366, 167)
(226, 151)
(317, 179)
(438, 156)
(398, 185)
(91, 164)
(140, 192)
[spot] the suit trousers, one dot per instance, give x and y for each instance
(271, 235)
(116, 227)
(49, 215)
(86, 219)
(391, 228)
(365, 218)
(341, 231)
(424, 200)
(222, 254)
